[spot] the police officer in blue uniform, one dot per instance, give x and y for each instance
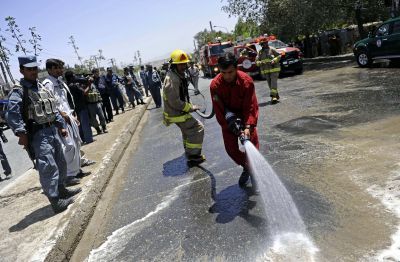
(34, 118)
(111, 81)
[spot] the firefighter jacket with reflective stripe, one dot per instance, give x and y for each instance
(176, 99)
(264, 59)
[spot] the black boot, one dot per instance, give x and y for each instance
(65, 193)
(98, 130)
(244, 178)
(195, 160)
(59, 204)
(141, 102)
(104, 129)
(72, 181)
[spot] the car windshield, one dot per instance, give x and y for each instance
(219, 49)
(277, 44)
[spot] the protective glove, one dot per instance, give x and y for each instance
(234, 123)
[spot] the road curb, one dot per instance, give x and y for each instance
(328, 62)
(69, 235)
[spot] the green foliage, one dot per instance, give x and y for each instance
(290, 18)
(205, 36)
(246, 28)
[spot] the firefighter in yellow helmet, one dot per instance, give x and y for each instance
(177, 107)
(268, 61)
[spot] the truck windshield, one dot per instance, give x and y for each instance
(277, 44)
(219, 49)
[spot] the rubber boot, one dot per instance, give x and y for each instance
(195, 160)
(244, 178)
(65, 193)
(274, 100)
(59, 205)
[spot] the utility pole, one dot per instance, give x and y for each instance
(71, 38)
(100, 57)
(211, 27)
(140, 59)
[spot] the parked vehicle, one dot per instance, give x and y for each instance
(383, 43)
(209, 54)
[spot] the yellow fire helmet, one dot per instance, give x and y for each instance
(179, 57)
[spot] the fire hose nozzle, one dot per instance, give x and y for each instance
(243, 138)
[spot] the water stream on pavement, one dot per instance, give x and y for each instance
(290, 240)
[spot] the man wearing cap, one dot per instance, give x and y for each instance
(65, 105)
(177, 108)
(99, 83)
(142, 74)
(154, 83)
(33, 117)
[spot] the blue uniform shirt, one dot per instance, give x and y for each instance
(14, 116)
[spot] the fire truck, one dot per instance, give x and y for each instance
(209, 54)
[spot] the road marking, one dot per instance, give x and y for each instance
(118, 240)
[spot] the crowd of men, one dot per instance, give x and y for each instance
(53, 118)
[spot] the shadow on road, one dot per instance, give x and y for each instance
(34, 217)
(231, 203)
(175, 167)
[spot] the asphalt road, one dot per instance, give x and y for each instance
(17, 158)
(330, 140)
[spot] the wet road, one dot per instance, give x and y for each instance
(333, 140)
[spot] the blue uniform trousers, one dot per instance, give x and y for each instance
(4, 161)
(156, 94)
(50, 161)
(86, 134)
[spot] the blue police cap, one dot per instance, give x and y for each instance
(28, 61)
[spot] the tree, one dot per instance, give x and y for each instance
(205, 36)
(5, 58)
(13, 28)
(291, 18)
(246, 28)
(35, 41)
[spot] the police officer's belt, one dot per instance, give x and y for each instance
(37, 127)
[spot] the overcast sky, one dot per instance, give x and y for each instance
(119, 27)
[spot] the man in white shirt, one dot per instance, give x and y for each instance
(65, 105)
(194, 75)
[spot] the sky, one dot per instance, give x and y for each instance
(118, 27)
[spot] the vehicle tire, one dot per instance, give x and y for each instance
(363, 59)
(299, 71)
(395, 62)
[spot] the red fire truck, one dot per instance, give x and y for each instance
(209, 54)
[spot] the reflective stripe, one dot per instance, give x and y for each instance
(176, 119)
(187, 107)
(192, 146)
(272, 70)
(264, 61)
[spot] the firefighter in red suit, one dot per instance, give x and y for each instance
(233, 93)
